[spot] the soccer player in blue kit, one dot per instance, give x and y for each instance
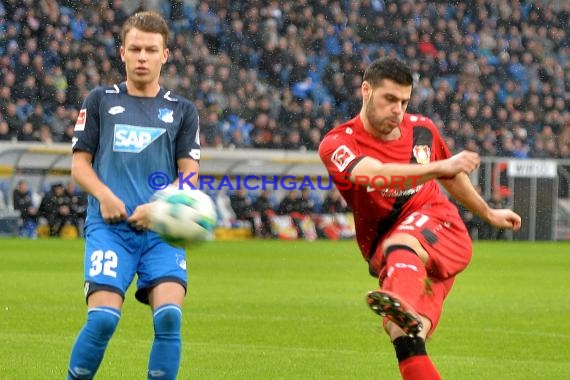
(123, 134)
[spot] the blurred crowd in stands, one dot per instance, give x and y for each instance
(303, 214)
(299, 214)
(494, 75)
(60, 211)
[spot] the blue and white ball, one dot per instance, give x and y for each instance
(183, 216)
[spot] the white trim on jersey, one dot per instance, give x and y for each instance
(115, 91)
(167, 97)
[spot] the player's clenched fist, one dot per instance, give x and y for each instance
(503, 218)
(465, 161)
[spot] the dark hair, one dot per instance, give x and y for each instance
(146, 21)
(388, 68)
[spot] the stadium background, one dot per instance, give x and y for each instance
(494, 75)
(273, 76)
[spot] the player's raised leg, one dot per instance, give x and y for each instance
(402, 289)
(403, 286)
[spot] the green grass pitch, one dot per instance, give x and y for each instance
(293, 310)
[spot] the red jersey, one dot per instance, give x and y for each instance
(376, 210)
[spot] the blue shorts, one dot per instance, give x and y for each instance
(115, 253)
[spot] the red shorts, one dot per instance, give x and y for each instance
(443, 235)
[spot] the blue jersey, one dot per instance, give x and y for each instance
(131, 138)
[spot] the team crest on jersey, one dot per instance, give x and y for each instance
(166, 115)
(134, 139)
(422, 154)
(181, 261)
(342, 156)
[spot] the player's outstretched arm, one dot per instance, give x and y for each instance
(112, 208)
(461, 188)
(385, 175)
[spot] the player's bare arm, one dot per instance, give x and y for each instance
(188, 166)
(140, 219)
(390, 174)
(112, 208)
(462, 190)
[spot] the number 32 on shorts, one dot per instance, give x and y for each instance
(103, 262)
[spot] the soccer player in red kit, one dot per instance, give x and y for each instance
(385, 163)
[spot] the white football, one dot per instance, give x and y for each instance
(183, 215)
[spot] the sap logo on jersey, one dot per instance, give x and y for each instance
(133, 139)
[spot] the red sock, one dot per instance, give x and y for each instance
(406, 275)
(418, 367)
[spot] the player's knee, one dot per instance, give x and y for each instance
(167, 319)
(404, 242)
(389, 248)
(103, 321)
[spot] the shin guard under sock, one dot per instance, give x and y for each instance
(165, 353)
(406, 274)
(92, 341)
